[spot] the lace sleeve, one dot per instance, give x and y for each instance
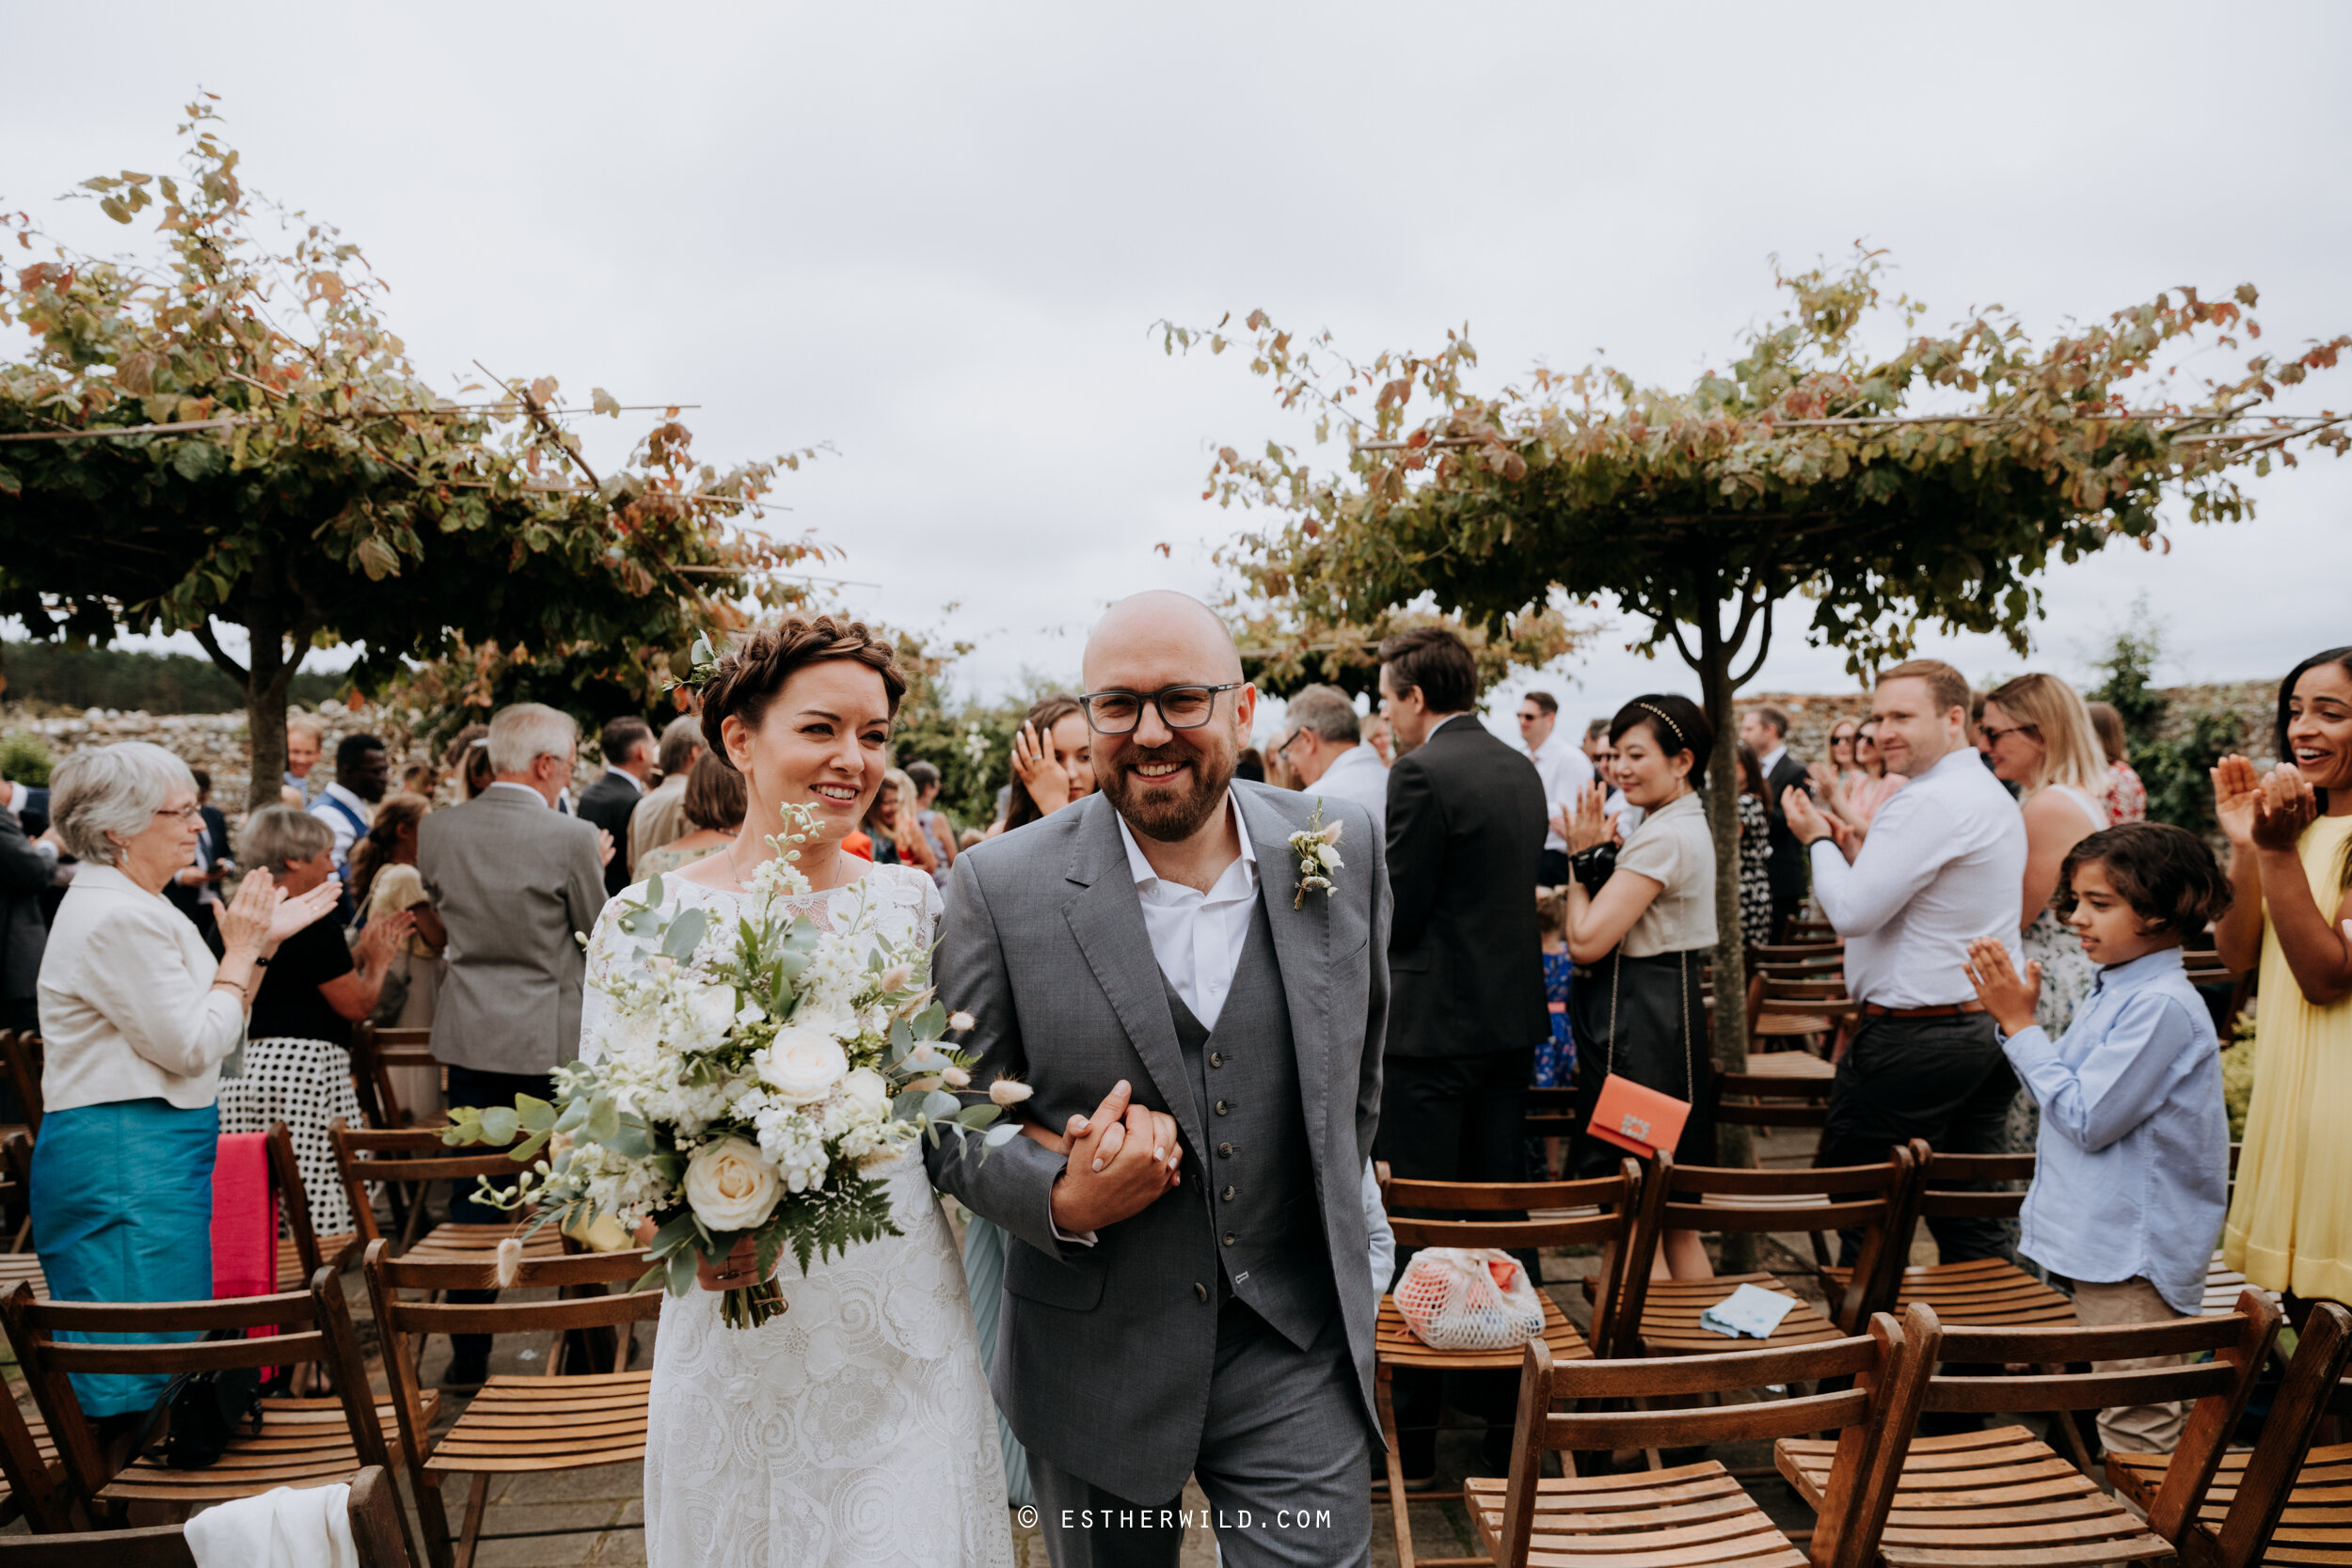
(606, 949)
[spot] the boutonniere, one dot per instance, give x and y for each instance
(1317, 848)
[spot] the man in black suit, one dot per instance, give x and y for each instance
(26, 871)
(1765, 730)
(1466, 1002)
(628, 758)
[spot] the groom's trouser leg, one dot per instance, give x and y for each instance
(1285, 1456)
(1087, 1526)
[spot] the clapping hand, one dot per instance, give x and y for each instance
(2237, 790)
(2287, 805)
(2009, 996)
(293, 914)
(383, 937)
(1123, 1159)
(604, 846)
(1585, 823)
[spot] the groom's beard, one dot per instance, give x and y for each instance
(1173, 809)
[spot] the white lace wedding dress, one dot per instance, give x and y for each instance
(856, 1428)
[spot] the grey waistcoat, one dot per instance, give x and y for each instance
(1259, 1186)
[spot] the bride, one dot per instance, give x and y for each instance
(856, 1426)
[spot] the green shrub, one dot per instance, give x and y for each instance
(2237, 1073)
(24, 759)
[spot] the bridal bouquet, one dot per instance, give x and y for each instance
(749, 1077)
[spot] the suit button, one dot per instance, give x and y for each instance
(1222, 1107)
(1229, 1237)
(1217, 1058)
(1229, 1195)
(1225, 1152)
(1200, 1290)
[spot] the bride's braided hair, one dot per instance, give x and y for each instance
(747, 678)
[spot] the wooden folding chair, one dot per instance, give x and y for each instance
(1795, 1012)
(37, 1483)
(1601, 1210)
(1697, 1515)
(557, 1421)
(378, 1531)
(374, 1054)
(16, 1195)
(1666, 1312)
(156, 1546)
(1984, 1292)
(2003, 1498)
(302, 1442)
(413, 1158)
(301, 1251)
(2285, 1502)
(20, 1057)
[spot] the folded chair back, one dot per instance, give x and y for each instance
(313, 1326)
(413, 1158)
(1597, 1211)
(1872, 1418)
(374, 1052)
(2238, 1342)
(156, 1546)
(376, 1528)
(1869, 1198)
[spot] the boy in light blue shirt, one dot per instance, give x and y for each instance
(2131, 1170)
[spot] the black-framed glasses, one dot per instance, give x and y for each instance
(1993, 736)
(1182, 708)
(1282, 751)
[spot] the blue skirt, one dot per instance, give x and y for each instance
(122, 1210)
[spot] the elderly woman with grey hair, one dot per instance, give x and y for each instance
(298, 1053)
(137, 1016)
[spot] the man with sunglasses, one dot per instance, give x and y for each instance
(1202, 1031)
(1325, 753)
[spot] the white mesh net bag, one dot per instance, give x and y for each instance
(1468, 1298)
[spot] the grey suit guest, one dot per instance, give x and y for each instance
(1144, 943)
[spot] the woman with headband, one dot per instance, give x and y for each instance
(1640, 942)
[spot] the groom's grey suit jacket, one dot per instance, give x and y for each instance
(1104, 1353)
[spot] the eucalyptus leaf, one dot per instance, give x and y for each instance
(682, 1263)
(932, 1021)
(940, 1105)
(529, 1146)
(575, 1117)
(976, 1115)
(604, 1121)
(631, 1138)
(657, 1275)
(499, 1123)
(685, 934)
(653, 891)
(536, 1115)
(673, 1235)
(902, 1039)
(998, 1137)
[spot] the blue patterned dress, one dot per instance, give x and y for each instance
(1555, 1058)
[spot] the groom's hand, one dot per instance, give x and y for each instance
(1122, 1159)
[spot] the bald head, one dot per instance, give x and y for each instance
(1167, 631)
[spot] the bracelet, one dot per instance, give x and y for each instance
(259, 962)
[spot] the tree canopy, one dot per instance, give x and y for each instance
(1886, 477)
(230, 434)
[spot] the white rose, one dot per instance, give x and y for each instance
(709, 1012)
(865, 1088)
(730, 1187)
(803, 1066)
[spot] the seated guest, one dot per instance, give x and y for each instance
(136, 1014)
(1326, 754)
(2132, 1163)
(714, 809)
(298, 1053)
(2126, 798)
(385, 882)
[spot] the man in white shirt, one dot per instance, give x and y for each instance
(363, 771)
(1940, 868)
(1566, 770)
(1326, 754)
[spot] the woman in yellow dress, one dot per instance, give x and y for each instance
(2290, 1225)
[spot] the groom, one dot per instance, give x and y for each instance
(1186, 1292)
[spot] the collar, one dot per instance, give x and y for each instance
(1958, 759)
(622, 772)
(1549, 747)
(18, 795)
(2146, 970)
(349, 799)
(1140, 868)
(1771, 759)
(1674, 808)
(524, 790)
(1354, 756)
(110, 879)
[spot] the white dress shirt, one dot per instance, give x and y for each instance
(1566, 772)
(1197, 937)
(1770, 760)
(128, 1007)
(339, 824)
(1942, 868)
(1357, 775)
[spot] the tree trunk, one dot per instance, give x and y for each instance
(266, 675)
(1733, 1145)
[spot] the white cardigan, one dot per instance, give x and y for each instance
(127, 1005)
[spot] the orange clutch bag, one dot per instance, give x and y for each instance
(1637, 1119)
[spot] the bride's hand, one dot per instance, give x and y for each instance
(739, 1272)
(1055, 1140)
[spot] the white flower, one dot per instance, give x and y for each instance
(752, 1013)
(730, 1187)
(960, 1022)
(1009, 1091)
(707, 1013)
(957, 1078)
(1329, 857)
(896, 978)
(803, 1065)
(863, 1088)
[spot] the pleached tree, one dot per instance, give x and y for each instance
(229, 435)
(1846, 466)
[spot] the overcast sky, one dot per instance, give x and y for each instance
(938, 238)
